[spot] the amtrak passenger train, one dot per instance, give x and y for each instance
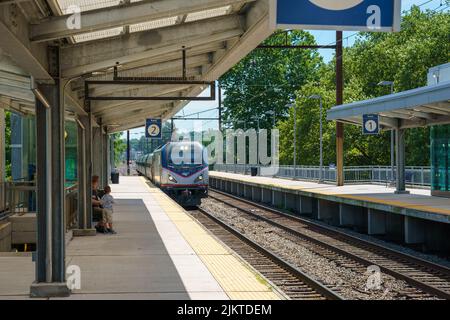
(180, 169)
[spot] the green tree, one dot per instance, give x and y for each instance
(266, 80)
(404, 58)
(119, 147)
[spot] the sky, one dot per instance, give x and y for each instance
(322, 38)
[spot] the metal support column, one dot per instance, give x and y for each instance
(392, 156)
(295, 141)
(2, 157)
(400, 157)
(43, 161)
(82, 167)
(220, 106)
(109, 156)
(112, 155)
(84, 180)
(339, 101)
(105, 152)
(50, 253)
(128, 152)
(89, 169)
(58, 183)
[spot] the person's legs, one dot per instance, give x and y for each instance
(109, 219)
(105, 220)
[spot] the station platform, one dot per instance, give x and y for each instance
(159, 252)
(417, 217)
(418, 202)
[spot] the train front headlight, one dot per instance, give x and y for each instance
(172, 179)
(199, 178)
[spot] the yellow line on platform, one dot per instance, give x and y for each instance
(395, 203)
(237, 279)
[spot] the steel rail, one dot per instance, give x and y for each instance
(315, 285)
(400, 256)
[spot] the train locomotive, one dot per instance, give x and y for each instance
(180, 169)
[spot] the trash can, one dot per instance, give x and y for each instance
(115, 177)
(254, 171)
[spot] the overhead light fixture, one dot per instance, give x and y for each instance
(155, 24)
(207, 14)
(97, 35)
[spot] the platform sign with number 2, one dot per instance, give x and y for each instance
(153, 128)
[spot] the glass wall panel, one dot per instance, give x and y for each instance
(440, 158)
(71, 137)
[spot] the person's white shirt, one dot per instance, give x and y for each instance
(108, 201)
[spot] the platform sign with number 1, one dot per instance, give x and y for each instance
(153, 128)
(371, 124)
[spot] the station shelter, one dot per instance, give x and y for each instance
(74, 72)
(420, 107)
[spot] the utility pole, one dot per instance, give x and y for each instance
(339, 101)
(220, 106)
(295, 142)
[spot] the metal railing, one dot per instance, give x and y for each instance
(416, 176)
(20, 198)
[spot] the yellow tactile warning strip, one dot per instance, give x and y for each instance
(237, 280)
(397, 203)
(394, 203)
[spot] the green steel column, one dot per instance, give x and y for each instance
(87, 122)
(400, 158)
(82, 168)
(43, 143)
(58, 183)
(105, 152)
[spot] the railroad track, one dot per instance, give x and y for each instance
(428, 278)
(293, 282)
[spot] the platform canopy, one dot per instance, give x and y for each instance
(141, 38)
(419, 107)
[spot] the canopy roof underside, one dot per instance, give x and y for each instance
(419, 107)
(141, 38)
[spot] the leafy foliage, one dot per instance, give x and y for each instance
(269, 79)
(266, 80)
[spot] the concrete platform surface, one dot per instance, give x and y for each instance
(158, 253)
(418, 203)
